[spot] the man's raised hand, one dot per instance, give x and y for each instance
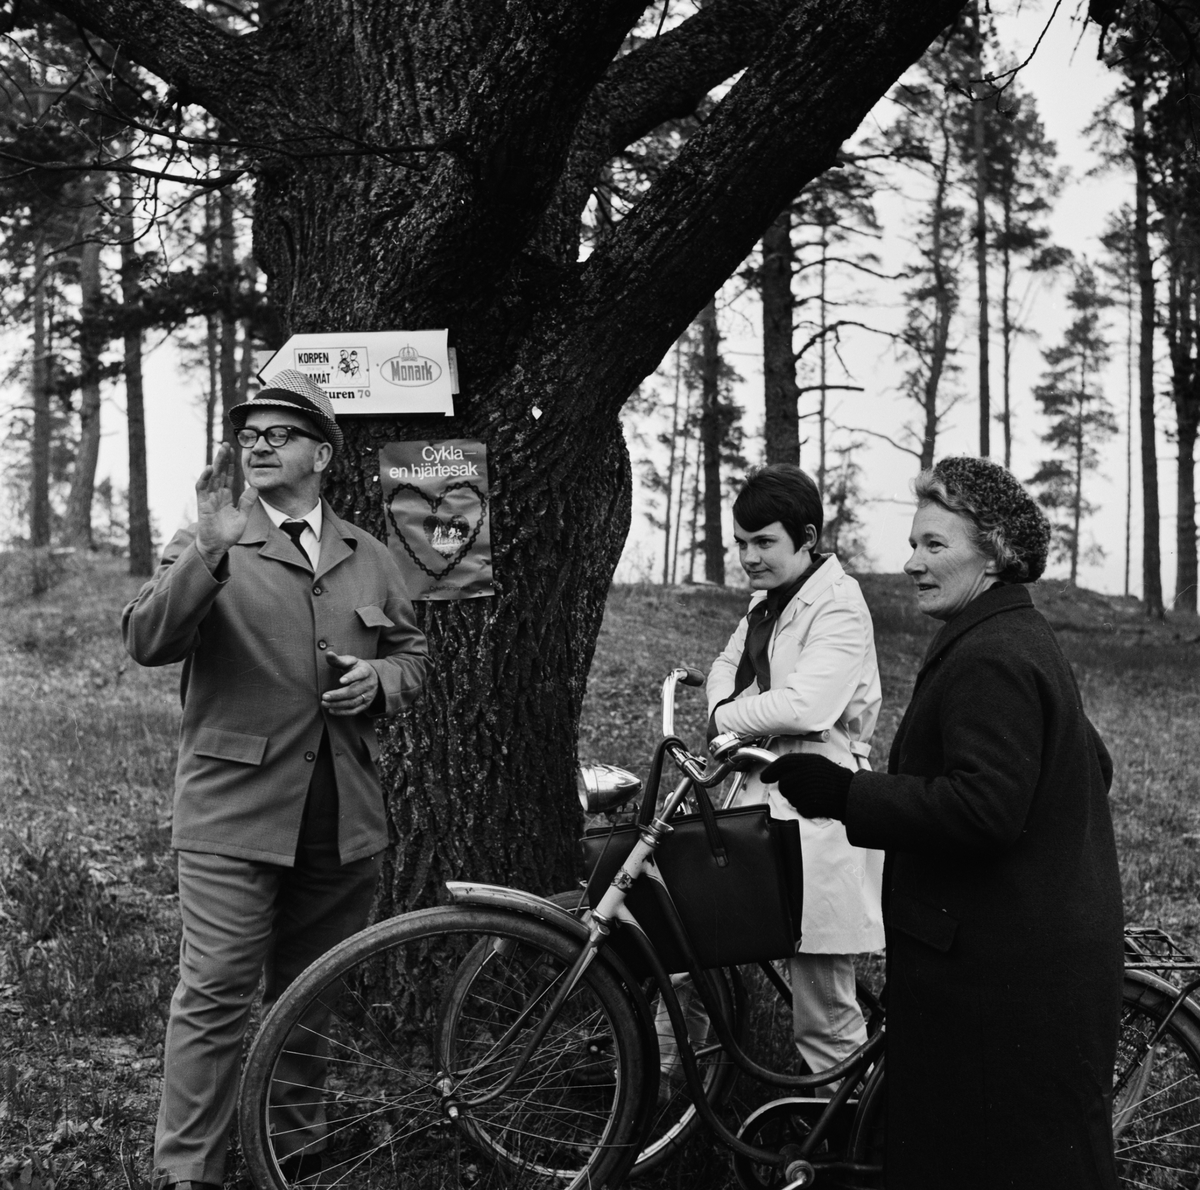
(219, 521)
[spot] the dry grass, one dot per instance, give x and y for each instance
(87, 915)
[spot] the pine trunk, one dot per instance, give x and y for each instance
(981, 249)
(1187, 407)
(78, 529)
(782, 432)
(1151, 559)
(141, 546)
(227, 319)
(710, 438)
(39, 395)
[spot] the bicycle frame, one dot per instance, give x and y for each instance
(611, 912)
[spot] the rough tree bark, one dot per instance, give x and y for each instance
(1183, 317)
(780, 391)
(141, 555)
(710, 442)
(981, 239)
(425, 164)
(77, 530)
(227, 319)
(39, 399)
(1151, 559)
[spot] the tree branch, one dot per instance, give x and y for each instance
(667, 77)
(908, 450)
(203, 63)
(780, 126)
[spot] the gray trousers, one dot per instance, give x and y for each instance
(243, 920)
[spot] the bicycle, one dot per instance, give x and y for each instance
(1156, 1090)
(502, 1041)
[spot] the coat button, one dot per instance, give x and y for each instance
(321, 644)
(310, 756)
(316, 590)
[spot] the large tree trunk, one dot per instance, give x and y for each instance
(672, 453)
(1185, 503)
(78, 529)
(454, 148)
(981, 242)
(1006, 326)
(39, 395)
(710, 442)
(1151, 559)
(212, 338)
(141, 547)
(230, 396)
(780, 390)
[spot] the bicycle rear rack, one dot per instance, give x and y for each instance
(1148, 948)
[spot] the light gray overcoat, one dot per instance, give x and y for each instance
(253, 639)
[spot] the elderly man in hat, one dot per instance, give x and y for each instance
(295, 630)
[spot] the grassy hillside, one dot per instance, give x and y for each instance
(87, 913)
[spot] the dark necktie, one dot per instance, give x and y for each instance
(293, 529)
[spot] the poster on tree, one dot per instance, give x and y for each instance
(435, 496)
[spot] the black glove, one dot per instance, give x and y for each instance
(815, 786)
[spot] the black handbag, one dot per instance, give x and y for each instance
(735, 877)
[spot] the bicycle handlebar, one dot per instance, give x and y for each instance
(738, 760)
(689, 677)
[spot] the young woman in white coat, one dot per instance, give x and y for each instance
(801, 670)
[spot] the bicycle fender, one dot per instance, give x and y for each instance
(497, 896)
(1141, 975)
(515, 900)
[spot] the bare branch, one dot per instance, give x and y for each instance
(781, 124)
(908, 450)
(203, 63)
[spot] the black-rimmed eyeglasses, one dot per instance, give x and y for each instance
(275, 436)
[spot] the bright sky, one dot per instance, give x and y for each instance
(1069, 85)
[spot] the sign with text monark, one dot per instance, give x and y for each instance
(374, 371)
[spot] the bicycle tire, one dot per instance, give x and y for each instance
(760, 1015)
(1156, 1105)
(407, 1049)
(674, 1118)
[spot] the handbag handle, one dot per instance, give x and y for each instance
(650, 797)
(710, 827)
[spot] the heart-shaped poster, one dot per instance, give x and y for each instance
(436, 501)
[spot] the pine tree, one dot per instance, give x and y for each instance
(1080, 418)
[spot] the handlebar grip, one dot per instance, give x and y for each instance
(691, 677)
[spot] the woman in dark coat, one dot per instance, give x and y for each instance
(1002, 898)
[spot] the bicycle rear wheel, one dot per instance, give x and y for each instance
(673, 1119)
(1156, 1106)
(390, 1062)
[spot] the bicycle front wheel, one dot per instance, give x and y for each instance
(399, 1060)
(1156, 1105)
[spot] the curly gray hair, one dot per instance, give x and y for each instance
(1005, 522)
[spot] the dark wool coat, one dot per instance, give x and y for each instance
(1002, 904)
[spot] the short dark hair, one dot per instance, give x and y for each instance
(780, 492)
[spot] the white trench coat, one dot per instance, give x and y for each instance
(824, 683)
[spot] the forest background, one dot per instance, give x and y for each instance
(152, 322)
(1077, 193)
